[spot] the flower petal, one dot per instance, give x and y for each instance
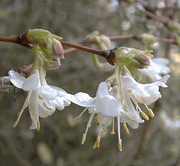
(16, 79)
(108, 106)
(47, 92)
(33, 109)
(102, 90)
(31, 83)
(81, 99)
(43, 110)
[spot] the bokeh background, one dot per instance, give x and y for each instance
(58, 143)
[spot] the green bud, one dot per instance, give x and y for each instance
(148, 39)
(105, 40)
(123, 56)
(92, 36)
(45, 40)
(174, 26)
(132, 57)
(37, 34)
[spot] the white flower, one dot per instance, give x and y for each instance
(104, 105)
(41, 99)
(147, 93)
(136, 93)
(158, 67)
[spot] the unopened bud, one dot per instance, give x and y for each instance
(123, 56)
(58, 49)
(37, 35)
(148, 39)
(105, 40)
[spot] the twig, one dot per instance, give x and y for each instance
(160, 18)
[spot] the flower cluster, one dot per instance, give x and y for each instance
(118, 100)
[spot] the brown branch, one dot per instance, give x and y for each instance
(21, 40)
(160, 18)
(87, 49)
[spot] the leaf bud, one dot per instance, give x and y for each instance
(148, 39)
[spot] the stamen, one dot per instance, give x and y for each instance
(80, 115)
(113, 132)
(119, 136)
(144, 116)
(123, 102)
(97, 143)
(120, 145)
(88, 125)
(83, 138)
(138, 100)
(126, 128)
(49, 108)
(26, 104)
(151, 113)
(38, 125)
(96, 119)
(129, 90)
(40, 97)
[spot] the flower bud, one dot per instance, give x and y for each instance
(148, 39)
(91, 37)
(133, 57)
(174, 26)
(123, 56)
(37, 35)
(58, 49)
(105, 40)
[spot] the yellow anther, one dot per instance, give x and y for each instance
(97, 143)
(41, 97)
(138, 100)
(77, 118)
(151, 113)
(49, 108)
(126, 128)
(129, 90)
(112, 132)
(96, 119)
(120, 145)
(83, 138)
(123, 102)
(144, 116)
(38, 126)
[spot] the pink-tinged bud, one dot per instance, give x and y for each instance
(58, 49)
(143, 59)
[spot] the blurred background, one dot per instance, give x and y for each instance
(58, 143)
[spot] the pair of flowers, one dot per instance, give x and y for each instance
(110, 103)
